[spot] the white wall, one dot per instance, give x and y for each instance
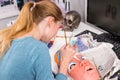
(78, 5)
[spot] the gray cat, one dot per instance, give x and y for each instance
(71, 20)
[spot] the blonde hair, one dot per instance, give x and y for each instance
(31, 13)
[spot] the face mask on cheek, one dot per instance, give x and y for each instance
(81, 69)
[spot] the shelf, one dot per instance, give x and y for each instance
(8, 11)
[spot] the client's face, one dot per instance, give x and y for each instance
(81, 69)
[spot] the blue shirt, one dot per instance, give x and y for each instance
(27, 59)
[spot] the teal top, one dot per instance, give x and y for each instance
(27, 59)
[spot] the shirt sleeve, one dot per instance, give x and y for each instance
(61, 76)
(42, 66)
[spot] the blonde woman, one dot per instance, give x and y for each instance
(24, 54)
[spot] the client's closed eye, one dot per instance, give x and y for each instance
(71, 65)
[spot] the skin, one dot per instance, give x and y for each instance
(45, 31)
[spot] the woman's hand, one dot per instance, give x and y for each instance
(67, 52)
